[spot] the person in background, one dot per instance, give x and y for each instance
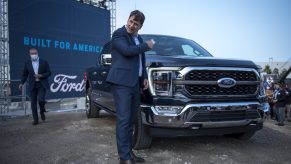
(288, 102)
(279, 103)
(37, 71)
(270, 93)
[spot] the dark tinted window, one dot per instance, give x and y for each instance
(169, 46)
(106, 48)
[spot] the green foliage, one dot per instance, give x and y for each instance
(276, 71)
(267, 69)
(283, 71)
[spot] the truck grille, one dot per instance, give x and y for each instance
(216, 90)
(206, 82)
(209, 75)
(233, 115)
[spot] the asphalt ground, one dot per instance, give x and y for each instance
(69, 137)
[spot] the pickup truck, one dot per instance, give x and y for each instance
(190, 93)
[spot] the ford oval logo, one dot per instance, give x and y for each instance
(226, 82)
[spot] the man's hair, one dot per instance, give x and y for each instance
(32, 49)
(138, 16)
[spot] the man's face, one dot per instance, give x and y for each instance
(133, 26)
(33, 54)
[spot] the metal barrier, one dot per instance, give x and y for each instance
(6, 101)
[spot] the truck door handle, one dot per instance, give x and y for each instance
(103, 73)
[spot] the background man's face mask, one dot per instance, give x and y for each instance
(34, 57)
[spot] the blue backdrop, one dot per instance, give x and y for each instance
(68, 34)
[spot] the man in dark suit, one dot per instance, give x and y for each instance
(127, 75)
(38, 72)
(279, 100)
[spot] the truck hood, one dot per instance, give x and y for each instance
(183, 61)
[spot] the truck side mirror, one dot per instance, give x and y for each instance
(106, 59)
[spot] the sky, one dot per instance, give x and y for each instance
(256, 30)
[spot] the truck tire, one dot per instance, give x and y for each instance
(243, 136)
(92, 111)
(141, 135)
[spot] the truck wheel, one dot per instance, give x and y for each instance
(141, 135)
(242, 136)
(92, 111)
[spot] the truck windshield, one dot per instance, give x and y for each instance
(173, 46)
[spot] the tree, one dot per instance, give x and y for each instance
(283, 71)
(267, 69)
(276, 71)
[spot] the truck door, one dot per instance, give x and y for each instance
(102, 89)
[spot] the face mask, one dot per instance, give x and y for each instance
(34, 57)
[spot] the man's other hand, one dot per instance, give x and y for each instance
(145, 84)
(20, 87)
(37, 76)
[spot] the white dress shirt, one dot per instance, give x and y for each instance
(35, 65)
(140, 57)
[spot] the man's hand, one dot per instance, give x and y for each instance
(20, 87)
(38, 76)
(150, 44)
(145, 84)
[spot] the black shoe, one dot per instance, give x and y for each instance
(280, 124)
(34, 122)
(136, 158)
(42, 116)
(126, 162)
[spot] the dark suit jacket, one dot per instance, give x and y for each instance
(28, 72)
(281, 98)
(125, 59)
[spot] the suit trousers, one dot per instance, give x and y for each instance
(37, 94)
(280, 112)
(127, 104)
(288, 108)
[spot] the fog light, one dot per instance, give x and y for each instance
(168, 110)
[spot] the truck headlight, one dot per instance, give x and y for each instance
(160, 80)
(162, 83)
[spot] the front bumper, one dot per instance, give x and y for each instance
(182, 132)
(206, 115)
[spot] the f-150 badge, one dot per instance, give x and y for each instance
(226, 82)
